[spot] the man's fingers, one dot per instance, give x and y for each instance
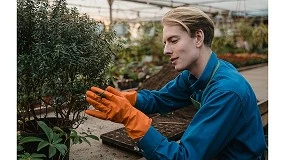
(93, 95)
(113, 90)
(96, 104)
(101, 93)
(97, 90)
(97, 114)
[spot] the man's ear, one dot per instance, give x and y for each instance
(199, 38)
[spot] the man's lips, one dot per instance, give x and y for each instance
(173, 59)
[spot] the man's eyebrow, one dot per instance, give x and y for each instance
(170, 37)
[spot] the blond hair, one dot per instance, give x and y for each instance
(191, 19)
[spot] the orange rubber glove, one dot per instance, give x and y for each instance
(115, 107)
(130, 95)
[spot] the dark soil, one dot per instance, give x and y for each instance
(159, 79)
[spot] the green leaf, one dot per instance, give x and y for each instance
(80, 139)
(20, 148)
(93, 137)
(36, 155)
(75, 140)
(57, 129)
(85, 140)
(62, 148)
(84, 133)
(33, 156)
(23, 156)
(42, 144)
(51, 151)
(35, 159)
(56, 140)
(30, 139)
(73, 133)
(48, 131)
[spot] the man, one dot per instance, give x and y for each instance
(227, 124)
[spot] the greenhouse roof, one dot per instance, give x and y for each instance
(148, 10)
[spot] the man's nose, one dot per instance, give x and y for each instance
(167, 50)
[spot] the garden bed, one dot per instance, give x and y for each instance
(244, 59)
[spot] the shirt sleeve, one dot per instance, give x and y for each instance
(213, 126)
(175, 94)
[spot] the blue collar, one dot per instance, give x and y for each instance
(201, 83)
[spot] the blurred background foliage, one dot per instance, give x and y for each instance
(244, 43)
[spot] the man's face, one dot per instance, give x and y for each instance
(180, 47)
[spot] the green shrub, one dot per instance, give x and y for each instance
(60, 54)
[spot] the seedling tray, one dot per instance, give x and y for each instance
(171, 125)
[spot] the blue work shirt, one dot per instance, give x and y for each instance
(227, 126)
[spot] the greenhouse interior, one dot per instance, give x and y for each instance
(138, 22)
(66, 46)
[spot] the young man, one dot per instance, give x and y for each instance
(228, 123)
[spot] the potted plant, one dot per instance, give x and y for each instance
(60, 54)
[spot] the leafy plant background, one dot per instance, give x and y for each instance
(60, 54)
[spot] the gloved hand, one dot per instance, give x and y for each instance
(130, 95)
(115, 107)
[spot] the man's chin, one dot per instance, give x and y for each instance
(178, 69)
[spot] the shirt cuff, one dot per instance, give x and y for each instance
(149, 142)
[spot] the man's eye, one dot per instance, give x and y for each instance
(174, 41)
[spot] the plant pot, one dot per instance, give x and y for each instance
(32, 129)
